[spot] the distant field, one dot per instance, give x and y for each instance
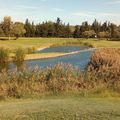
(61, 108)
(45, 42)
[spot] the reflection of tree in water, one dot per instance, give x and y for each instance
(20, 65)
(4, 66)
(4, 59)
(19, 59)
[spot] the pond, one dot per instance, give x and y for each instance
(63, 49)
(79, 60)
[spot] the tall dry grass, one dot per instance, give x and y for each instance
(105, 67)
(103, 74)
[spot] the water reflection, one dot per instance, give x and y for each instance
(80, 60)
(63, 49)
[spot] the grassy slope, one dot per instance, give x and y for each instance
(105, 43)
(31, 42)
(45, 42)
(62, 108)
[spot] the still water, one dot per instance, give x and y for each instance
(63, 49)
(79, 60)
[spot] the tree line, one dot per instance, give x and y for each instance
(8, 28)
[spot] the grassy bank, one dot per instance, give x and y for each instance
(32, 42)
(61, 108)
(30, 45)
(45, 42)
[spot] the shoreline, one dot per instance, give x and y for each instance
(53, 55)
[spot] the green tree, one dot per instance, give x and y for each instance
(104, 26)
(115, 32)
(7, 26)
(27, 28)
(33, 29)
(84, 27)
(68, 31)
(104, 34)
(89, 34)
(44, 30)
(51, 29)
(76, 33)
(96, 26)
(58, 27)
(18, 29)
(1, 32)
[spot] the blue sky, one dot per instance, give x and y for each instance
(73, 11)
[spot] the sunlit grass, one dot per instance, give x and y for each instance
(61, 107)
(46, 42)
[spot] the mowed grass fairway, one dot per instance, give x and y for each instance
(61, 108)
(32, 42)
(46, 42)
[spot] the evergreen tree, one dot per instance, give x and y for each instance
(104, 26)
(57, 27)
(51, 29)
(76, 33)
(68, 31)
(96, 26)
(27, 28)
